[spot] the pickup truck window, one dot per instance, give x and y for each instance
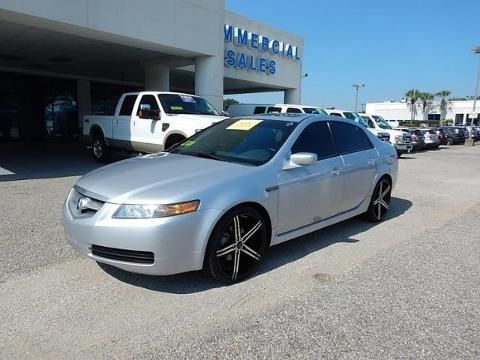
(273, 109)
(259, 109)
(186, 104)
(293, 110)
(149, 100)
(127, 105)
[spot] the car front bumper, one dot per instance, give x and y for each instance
(403, 148)
(178, 243)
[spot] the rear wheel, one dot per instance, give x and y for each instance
(236, 245)
(380, 202)
(172, 140)
(99, 148)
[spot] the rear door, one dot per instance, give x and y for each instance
(360, 159)
(310, 194)
(122, 123)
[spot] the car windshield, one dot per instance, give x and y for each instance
(356, 117)
(246, 141)
(382, 122)
(186, 104)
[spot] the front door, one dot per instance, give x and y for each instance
(147, 134)
(310, 194)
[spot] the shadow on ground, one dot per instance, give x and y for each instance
(274, 258)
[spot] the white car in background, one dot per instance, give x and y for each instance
(382, 135)
(258, 109)
(400, 139)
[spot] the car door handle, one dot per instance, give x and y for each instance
(335, 172)
(371, 163)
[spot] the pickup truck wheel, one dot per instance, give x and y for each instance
(172, 140)
(99, 149)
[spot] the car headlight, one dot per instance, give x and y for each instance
(399, 139)
(155, 211)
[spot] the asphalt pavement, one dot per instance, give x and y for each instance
(405, 288)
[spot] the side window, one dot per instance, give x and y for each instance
(293, 110)
(349, 138)
(127, 105)
(335, 114)
(316, 138)
(149, 100)
(371, 124)
(273, 109)
(259, 109)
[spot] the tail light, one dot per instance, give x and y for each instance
(414, 137)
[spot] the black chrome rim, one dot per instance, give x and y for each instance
(97, 149)
(382, 199)
(240, 246)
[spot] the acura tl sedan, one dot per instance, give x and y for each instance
(217, 200)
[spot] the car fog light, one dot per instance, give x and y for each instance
(155, 211)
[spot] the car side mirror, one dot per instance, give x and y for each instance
(301, 159)
(224, 113)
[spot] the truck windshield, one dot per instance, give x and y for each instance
(382, 122)
(355, 117)
(318, 111)
(186, 104)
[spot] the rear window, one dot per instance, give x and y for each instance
(272, 109)
(294, 110)
(259, 109)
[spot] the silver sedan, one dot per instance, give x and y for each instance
(219, 198)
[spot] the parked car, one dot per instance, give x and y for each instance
(469, 131)
(430, 138)
(417, 138)
(355, 117)
(219, 198)
(442, 136)
(454, 135)
(256, 109)
(147, 122)
(401, 140)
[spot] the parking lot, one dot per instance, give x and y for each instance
(408, 287)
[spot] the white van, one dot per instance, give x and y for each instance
(253, 109)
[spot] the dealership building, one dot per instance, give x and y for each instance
(62, 59)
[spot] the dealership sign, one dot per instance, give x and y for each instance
(261, 54)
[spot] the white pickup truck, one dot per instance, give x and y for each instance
(400, 139)
(147, 122)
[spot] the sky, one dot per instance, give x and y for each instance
(390, 46)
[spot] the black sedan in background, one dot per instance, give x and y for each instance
(455, 135)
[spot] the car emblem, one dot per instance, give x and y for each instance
(82, 203)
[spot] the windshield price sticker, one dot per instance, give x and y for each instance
(188, 99)
(176, 108)
(244, 125)
(188, 143)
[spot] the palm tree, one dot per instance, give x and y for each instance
(412, 94)
(443, 104)
(426, 97)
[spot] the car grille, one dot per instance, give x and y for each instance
(133, 256)
(384, 136)
(81, 205)
(407, 138)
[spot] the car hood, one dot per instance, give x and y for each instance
(158, 178)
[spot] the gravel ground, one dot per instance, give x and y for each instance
(405, 288)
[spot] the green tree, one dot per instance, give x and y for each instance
(412, 94)
(426, 99)
(228, 102)
(443, 104)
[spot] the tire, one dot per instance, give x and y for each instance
(100, 149)
(231, 258)
(172, 140)
(379, 205)
(450, 141)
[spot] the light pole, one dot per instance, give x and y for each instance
(476, 50)
(357, 86)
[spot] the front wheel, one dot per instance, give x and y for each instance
(236, 245)
(449, 141)
(380, 202)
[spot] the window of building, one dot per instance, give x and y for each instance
(349, 138)
(458, 119)
(433, 117)
(127, 105)
(259, 109)
(316, 138)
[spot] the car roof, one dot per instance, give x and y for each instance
(295, 117)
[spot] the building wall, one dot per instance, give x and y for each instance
(457, 111)
(287, 70)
